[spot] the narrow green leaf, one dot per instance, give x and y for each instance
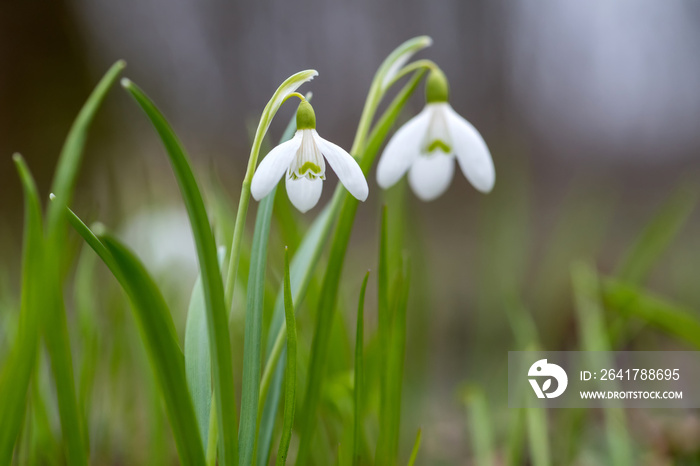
(630, 301)
(382, 81)
(54, 322)
(399, 57)
(198, 359)
(525, 332)
(359, 374)
(217, 321)
(657, 235)
(198, 356)
(594, 339)
(538, 437)
(416, 447)
(266, 420)
(383, 322)
(390, 410)
(302, 267)
(19, 365)
(252, 345)
(291, 373)
(72, 152)
(480, 426)
(331, 279)
(158, 334)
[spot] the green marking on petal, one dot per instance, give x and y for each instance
(309, 166)
(438, 144)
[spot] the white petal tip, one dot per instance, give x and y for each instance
(485, 189)
(303, 193)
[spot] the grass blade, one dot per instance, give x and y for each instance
(538, 436)
(72, 152)
(594, 339)
(251, 412)
(217, 321)
(198, 359)
(291, 373)
(390, 410)
(252, 345)
(56, 336)
(158, 334)
(359, 374)
(416, 448)
(481, 428)
(302, 268)
(167, 360)
(331, 279)
(19, 365)
(630, 301)
(657, 235)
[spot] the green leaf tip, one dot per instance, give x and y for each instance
(399, 57)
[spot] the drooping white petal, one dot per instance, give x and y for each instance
(274, 166)
(472, 153)
(430, 176)
(344, 165)
(303, 192)
(403, 148)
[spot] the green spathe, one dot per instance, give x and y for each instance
(306, 117)
(437, 88)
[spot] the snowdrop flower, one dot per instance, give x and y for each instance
(302, 159)
(427, 144)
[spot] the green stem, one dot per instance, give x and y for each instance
(327, 300)
(287, 89)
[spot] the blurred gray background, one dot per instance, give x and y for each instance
(597, 84)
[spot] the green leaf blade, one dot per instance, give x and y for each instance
(291, 373)
(17, 370)
(160, 338)
(198, 359)
(252, 345)
(217, 321)
(359, 374)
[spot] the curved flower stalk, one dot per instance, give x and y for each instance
(302, 158)
(427, 145)
(283, 92)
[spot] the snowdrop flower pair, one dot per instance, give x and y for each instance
(427, 145)
(302, 160)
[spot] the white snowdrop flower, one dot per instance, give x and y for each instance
(302, 159)
(427, 145)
